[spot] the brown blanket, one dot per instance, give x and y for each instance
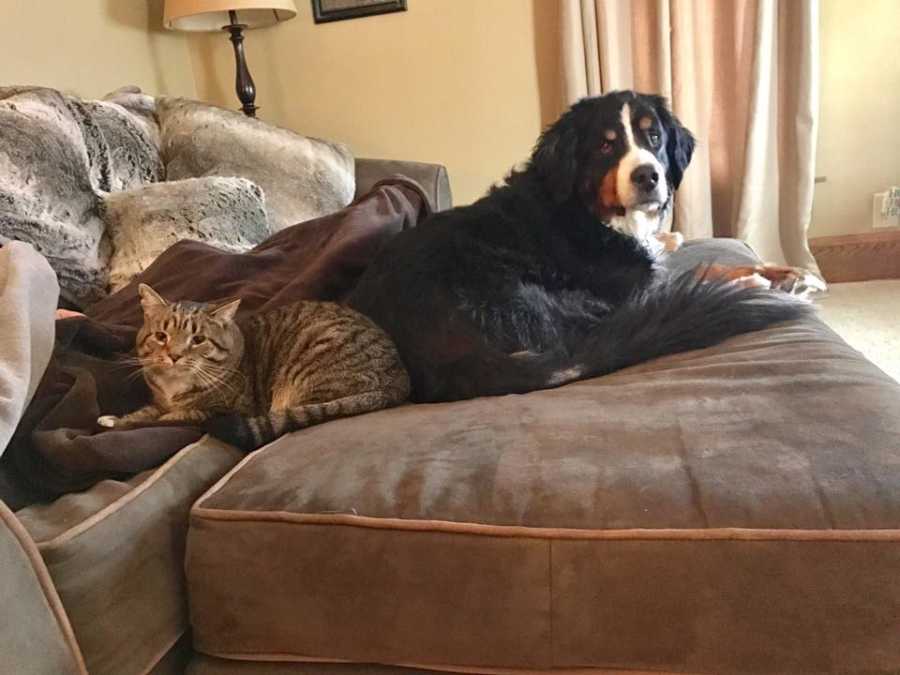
(57, 447)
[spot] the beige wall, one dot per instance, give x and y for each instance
(859, 127)
(466, 83)
(90, 47)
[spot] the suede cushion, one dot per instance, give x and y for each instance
(115, 555)
(226, 213)
(728, 510)
(303, 178)
(35, 635)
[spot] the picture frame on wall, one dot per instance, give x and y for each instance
(338, 10)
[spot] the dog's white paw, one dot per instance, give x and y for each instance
(794, 280)
(671, 241)
(107, 421)
(753, 281)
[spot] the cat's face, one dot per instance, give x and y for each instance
(186, 341)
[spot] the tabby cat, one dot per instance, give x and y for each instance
(297, 365)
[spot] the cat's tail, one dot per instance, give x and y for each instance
(249, 433)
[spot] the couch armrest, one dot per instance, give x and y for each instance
(35, 634)
(432, 177)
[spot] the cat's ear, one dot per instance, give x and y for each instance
(226, 310)
(150, 299)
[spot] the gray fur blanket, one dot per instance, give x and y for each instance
(79, 178)
(57, 155)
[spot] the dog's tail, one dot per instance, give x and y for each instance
(677, 314)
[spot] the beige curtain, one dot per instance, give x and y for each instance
(743, 76)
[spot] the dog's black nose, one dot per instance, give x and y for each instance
(645, 177)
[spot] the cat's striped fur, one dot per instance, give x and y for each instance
(297, 365)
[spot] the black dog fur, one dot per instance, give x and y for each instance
(529, 288)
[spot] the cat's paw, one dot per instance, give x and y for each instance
(108, 421)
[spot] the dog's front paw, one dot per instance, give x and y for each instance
(794, 280)
(108, 421)
(671, 241)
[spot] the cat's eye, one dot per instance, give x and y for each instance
(198, 340)
(159, 335)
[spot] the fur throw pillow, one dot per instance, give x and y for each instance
(227, 213)
(303, 178)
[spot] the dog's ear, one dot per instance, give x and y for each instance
(679, 143)
(555, 158)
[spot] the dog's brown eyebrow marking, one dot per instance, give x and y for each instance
(645, 123)
(610, 135)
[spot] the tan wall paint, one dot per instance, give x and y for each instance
(466, 83)
(859, 125)
(90, 47)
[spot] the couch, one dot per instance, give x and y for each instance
(729, 510)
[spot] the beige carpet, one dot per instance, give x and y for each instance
(867, 315)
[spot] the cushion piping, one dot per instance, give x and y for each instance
(475, 670)
(527, 532)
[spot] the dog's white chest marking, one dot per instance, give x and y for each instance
(642, 226)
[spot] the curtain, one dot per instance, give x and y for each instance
(743, 76)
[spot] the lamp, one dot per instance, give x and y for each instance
(233, 16)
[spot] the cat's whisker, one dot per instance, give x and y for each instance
(212, 380)
(128, 362)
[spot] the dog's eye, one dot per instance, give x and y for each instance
(606, 147)
(198, 340)
(162, 337)
(654, 138)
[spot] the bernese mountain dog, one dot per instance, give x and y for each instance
(552, 276)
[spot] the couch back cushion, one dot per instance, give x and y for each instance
(303, 178)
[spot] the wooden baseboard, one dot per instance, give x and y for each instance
(858, 257)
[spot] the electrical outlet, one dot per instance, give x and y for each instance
(886, 209)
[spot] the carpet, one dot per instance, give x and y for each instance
(867, 315)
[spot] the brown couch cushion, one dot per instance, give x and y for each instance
(35, 634)
(115, 554)
(728, 510)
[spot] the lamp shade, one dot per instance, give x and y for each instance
(212, 15)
